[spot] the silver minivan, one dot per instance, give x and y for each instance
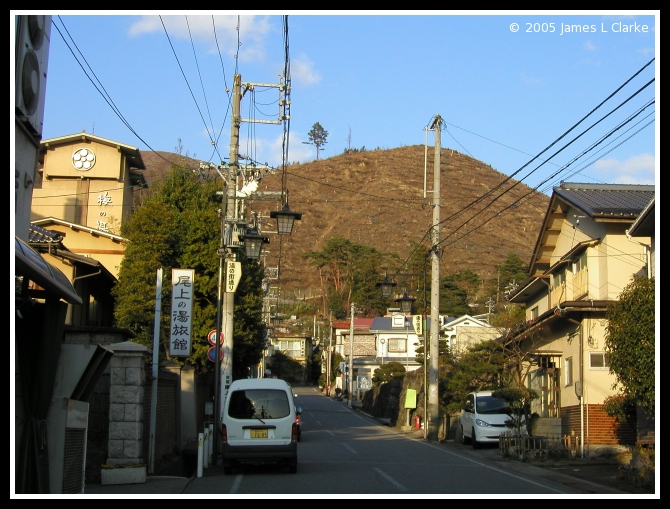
(259, 424)
(483, 418)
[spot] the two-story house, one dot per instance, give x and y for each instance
(464, 332)
(298, 350)
(582, 261)
(396, 340)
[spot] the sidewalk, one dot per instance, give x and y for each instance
(154, 485)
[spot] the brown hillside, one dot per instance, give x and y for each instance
(375, 198)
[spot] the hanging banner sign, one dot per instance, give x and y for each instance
(182, 312)
(233, 276)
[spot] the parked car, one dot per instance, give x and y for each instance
(259, 424)
(483, 418)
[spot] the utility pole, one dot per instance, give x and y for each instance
(351, 356)
(330, 340)
(230, 217)
(433, 395)
(490, 304)
(230, 243)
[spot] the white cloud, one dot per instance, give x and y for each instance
(639, 169)
(302, 71)
(252, 33)
(589, 46)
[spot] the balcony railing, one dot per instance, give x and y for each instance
(580, 284)
(578, 288)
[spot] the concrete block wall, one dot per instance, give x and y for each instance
(126, 404)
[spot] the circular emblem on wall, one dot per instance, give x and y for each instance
(83, 159)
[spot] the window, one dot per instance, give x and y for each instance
(598, 360)
(579, 264)
(568, 371)
(292, 348)
(534, 313)
(259, 404)
(397, 345)
(559, 279)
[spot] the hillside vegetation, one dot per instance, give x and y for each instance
(375, 198)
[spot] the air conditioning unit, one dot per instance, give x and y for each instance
(32, 55)
(68, 434)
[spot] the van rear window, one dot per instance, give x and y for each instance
(259, 404)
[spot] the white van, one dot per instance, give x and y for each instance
(259, 424)
(483, 418)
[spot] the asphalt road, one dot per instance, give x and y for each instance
(335, 463)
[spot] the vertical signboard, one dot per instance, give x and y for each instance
(417, 321)
(182, 309)
(233, 276)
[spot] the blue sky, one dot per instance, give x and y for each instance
(371, 80)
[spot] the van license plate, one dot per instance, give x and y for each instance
(259, 433)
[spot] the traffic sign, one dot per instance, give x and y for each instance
(211, 353)
(364, 383)
(212, 335)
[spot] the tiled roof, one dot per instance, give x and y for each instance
(358, 323)
(607, 200)
(39, 235)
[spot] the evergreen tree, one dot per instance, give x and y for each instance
(453, 298)
(388, 372)
(317, 137)
(349, 272)
(178, 226)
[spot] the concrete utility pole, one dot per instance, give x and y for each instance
(351, 356)
(330, 340)
(433, 395)
(231, 216)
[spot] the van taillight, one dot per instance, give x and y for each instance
(224, 434)
(294, 432)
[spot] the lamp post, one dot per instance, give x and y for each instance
(381, 342)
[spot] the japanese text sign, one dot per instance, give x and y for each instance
(182, 308)
(233, 276)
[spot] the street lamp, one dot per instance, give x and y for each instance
(381, 342)
(285, 218)
(253, 242)
(405, 303)
(386, 287)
